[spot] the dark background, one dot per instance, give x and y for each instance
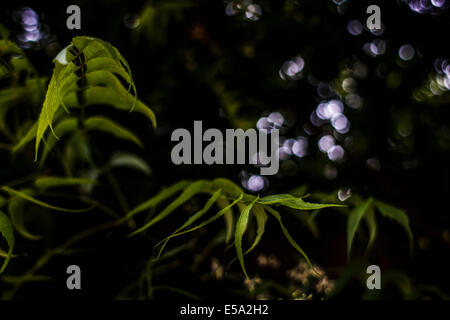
(177, 65)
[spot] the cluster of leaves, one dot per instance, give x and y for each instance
(87, 72)
(92, 72)
(360, 209)
(23, 87)
(226, 195)
(366, 210)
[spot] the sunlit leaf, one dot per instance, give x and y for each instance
(241, 226)
(97, 64)
(49, 108)
(293, 202)
(261, 218)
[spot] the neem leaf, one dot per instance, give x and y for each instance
(261, 218)
(49, 108)
(276, 198)
(130, 160)
(2, 201)
(6, 230)
(398, 215)
(369, 217)
(212, 219)
(63, 127)
(192, 219)
(228, 187)
(293, 202)
(52, 182)
(108, 126)
(98, 64)
(353, 222)
(117, 99)
(41, 203)
(16, 208)
(287, 235)
(160, 197)
(241, 226)
(192, 190)
(26, 138)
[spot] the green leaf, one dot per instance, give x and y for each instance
(160, 197)
(228, 217)
(6, 230)
(228, 187)
(397, 215)
(97, 64)
(8, 98)
(124, 159)
(9, 47)
(41, 203)
(59, 131)
(25, 278)
(52, 182)
(369, 217)
(118, 100)
(108, 126)
(26, 138)
(353, 222)
(192, 190)
(77, 149)
(277, 198)
(287, 235)
(221, 212)
(49, 108)
(16, 208)
(241, 226)
(191, 219)
(63, 127)
(261, 218)
(2, 201)
(293, 202)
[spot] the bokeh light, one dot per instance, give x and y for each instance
(355, 27)
(406, 52)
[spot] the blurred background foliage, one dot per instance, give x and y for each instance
(363, 115)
